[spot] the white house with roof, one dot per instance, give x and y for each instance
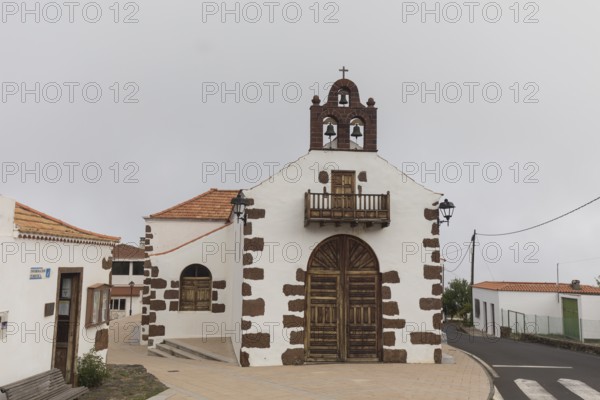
(335, 258)
(54, 292)
(564, 309)
(127, 280)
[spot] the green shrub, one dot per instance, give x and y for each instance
(91, 369)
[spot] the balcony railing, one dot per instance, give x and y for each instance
(347, 208)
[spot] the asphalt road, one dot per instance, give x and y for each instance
(512, 361)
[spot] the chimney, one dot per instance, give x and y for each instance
(575, 284)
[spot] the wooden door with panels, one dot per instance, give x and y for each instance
(343, 294)
(343, 185)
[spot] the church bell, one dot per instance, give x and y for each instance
(356, 132)
(343, 99)
(330, 132)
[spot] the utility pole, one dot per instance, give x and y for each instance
(472, 272)
(473, 258)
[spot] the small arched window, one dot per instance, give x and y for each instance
(196, 288)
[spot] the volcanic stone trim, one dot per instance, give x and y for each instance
(171, 294)
(145, 338)
(148, 249)
(256, 340)
(293, 290)
(293, 357)
(152, 318)
(432, 272)
(247, 259)
(155, 272)
(246, 325)
(256, 274)
(147, 273)
(435, 256)
(253, 308)
(300, 275)
(390, 308)
(156, 330)
(150, 342)
(254, 244)
(437, 321)
(292, 321)
(218, 308)
(148, 228)
(146, 300)
(297, 337)
(323, 177)
(144, 310)
(174, 306)
(296, 305)
(394, 356)
(437, 356)
(158, 283)
(249, 201)
(437, 289)
(146, 290)
(255, 213)
(215, 295)
(431, 243)
(149, 236)
(248, 229)
(147, 281)
(435, 229)
(431, 214)
(158, 305)
(425, 338)
(389, 339)
(430, 303)
(244, 359)
(393, 323)
(362, 176)
(386, 293)
(152, 294)
(219, 284)
(246, 289)
(390, 277)
(101, 340)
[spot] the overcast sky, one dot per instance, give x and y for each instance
(510, 88)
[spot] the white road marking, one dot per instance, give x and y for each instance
(533, 390)
(531, 366)
(497, 395)
(580, 389)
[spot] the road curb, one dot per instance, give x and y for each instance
(486, 368)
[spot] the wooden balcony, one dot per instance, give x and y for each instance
(347, 208)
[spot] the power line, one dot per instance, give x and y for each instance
(578, 261)
(461, 261)
(543, 223)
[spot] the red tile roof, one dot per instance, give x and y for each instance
(212, 205)
(34, 223)
(542, 287)
(127, 252)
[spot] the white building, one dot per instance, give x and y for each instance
(54, 292)
(127, 279)
(570, 310)
(338, 259)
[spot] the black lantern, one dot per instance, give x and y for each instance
(239, 205)
(447, 209)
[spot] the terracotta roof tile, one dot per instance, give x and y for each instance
(545, 287)
(212, 205)
(30, 221)
(127, 252)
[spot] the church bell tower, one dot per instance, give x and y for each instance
(343, 123)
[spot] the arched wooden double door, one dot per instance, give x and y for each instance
(343, 293)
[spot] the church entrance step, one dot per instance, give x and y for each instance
(159, 353)
(174, 351)
(204, 349)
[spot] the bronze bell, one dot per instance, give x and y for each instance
(344, 99)
(330, 131)
(356, 132)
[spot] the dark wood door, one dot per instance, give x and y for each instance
(342, 188)
(195, 294)
(67, 324)
(343, 314)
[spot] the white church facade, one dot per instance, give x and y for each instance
(335, 258)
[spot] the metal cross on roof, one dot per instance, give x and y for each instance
(343, 71)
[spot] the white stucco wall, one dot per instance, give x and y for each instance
(26, 346)
(488, 297)
(398, 247)
(174, 233)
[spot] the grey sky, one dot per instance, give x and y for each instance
(171, 61)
